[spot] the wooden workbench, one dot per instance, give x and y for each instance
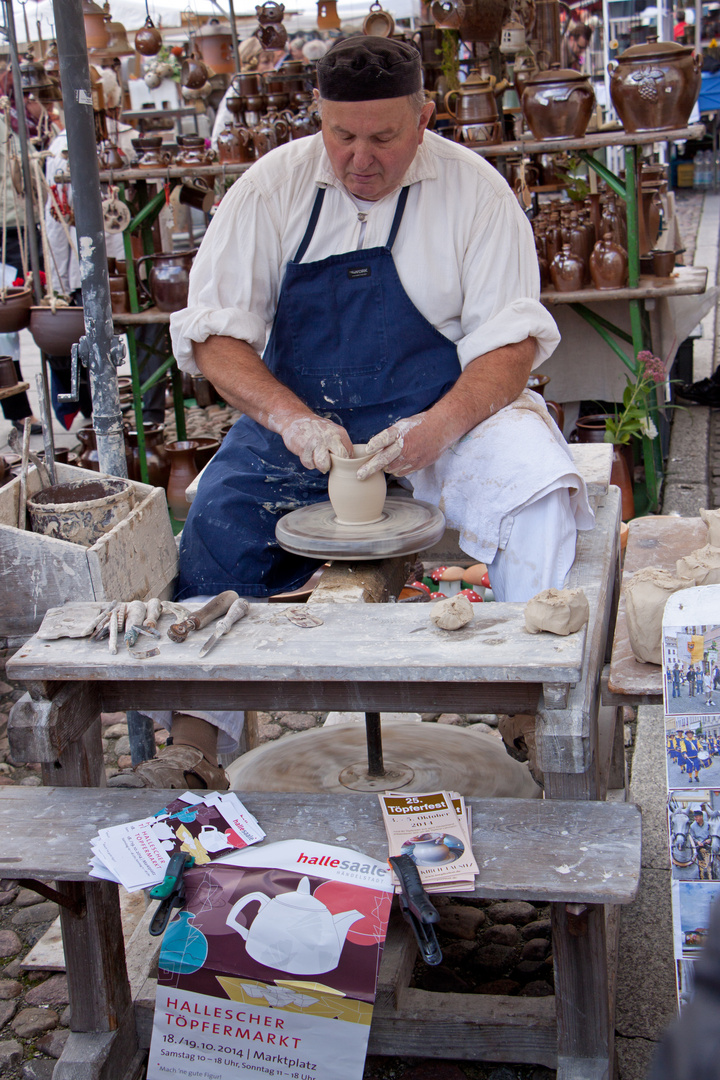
(368, 657)
(652, 541)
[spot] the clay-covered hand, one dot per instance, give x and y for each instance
(407, 445)
(313, 439)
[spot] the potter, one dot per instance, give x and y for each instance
(373, 283)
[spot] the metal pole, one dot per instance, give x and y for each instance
(233, 31)
(30, 230)
(99, 349)
(373, 733)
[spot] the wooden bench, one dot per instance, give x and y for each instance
(574, 855)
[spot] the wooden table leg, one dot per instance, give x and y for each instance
(103, 1043)
(582, 992)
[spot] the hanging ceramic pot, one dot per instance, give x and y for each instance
(475, 20)
(148, 41)
(118, 44)
(183, 471)
(654, 86)
(327, 16)
(194, 74)
(55, 332)
(214, 43)
(378, 23)
(512, 35)
(271, 33)
(15, 310)
(96, 34)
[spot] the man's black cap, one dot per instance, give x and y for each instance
(363, 68)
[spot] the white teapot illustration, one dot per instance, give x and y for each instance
(293, 932)
(212, 839)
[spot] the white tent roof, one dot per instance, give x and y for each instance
(132, 12)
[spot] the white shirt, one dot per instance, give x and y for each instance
(464, 253)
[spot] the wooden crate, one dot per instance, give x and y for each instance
(136, 560)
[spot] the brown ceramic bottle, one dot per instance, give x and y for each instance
(567, 271)
(183, 471)
(608, 264)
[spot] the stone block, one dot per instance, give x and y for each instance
(646, 946)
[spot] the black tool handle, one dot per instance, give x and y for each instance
(417, 899)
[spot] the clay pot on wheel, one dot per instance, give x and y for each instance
(355, 502)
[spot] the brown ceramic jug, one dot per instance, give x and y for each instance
(475, 100)
(557, 104)
(235, 145)
(168, 280)
(155, 455)
(654, 86)
(567, 271)
(183, 471)
(89, 458)
(608, 264)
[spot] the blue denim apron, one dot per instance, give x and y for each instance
(350, 343)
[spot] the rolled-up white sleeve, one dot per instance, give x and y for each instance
(234, 282)
(501, 287)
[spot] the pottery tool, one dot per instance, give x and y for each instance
(152, 616)
(214, 608)
(113, 632)
(15, 441)
(48, 441)
(406, 526)
(237, 611)
(133, 621)
(22, 508)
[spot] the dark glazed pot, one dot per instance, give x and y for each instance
(476, 20)
(8, 374)
(55, 332)
(557, 104)
(157, 461)
(654, 86)
(168, 279)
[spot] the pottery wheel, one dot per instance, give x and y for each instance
(440, 757)
(406, 526)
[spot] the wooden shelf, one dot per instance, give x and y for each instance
(171, 172)
(686, 281)
(11, 391)
(142, 318)
(596, 141)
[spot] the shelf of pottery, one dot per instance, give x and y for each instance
(603, 261)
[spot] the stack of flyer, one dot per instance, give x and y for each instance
(208, 827)
(434, 829)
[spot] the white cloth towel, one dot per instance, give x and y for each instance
(504, 464)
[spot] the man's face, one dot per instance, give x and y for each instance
(371, 144)
(577, 46)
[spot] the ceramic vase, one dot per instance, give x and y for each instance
(355, 502)
(183, 471)
(608, 264)
(567, 270)
(157, 461)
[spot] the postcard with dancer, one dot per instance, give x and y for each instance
(271, 967)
